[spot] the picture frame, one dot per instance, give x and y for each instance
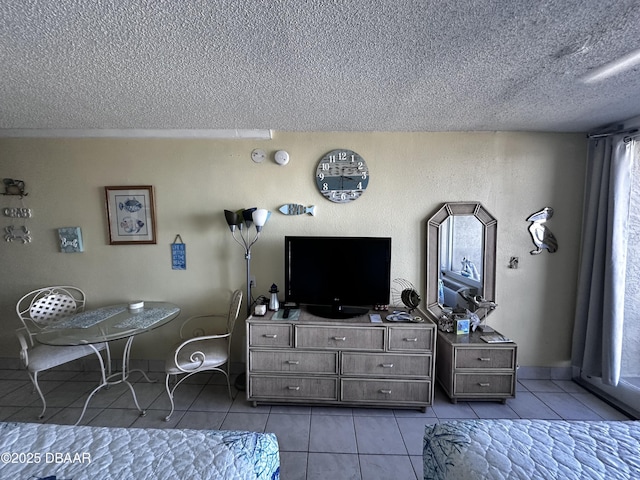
(131, 215)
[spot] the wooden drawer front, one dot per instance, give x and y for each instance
(343, 338)
(379, 365)
(485, 358)
(497, 384)
(263, 335)
(382, 391)
(411, 339)
(283, 387)
(293, 361)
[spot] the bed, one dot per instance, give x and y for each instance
(61, 452)
(532, 449)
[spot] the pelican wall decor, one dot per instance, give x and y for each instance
(542, 237)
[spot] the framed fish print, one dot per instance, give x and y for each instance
(131, 215)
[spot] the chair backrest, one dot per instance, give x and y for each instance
(45, 306)
(234, 310)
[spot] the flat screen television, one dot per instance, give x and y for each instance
(337, 277)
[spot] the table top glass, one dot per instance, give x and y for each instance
(105, 324)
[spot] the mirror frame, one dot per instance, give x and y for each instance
(490, 229)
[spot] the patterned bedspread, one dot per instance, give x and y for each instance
(61, 452)
(532, 449)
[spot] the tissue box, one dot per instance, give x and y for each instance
(462, 326)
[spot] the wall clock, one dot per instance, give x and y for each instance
(342, 176)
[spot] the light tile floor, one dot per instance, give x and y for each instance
(315, 442)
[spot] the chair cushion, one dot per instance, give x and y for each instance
(43, 357)
(215, 352)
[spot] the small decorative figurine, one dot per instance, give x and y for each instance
(542, 237)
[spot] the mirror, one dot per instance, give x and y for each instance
(461, 258)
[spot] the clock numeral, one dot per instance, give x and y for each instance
(321, 176)
(364, 175)
(332, 158)
(359, 187)
(353, 158)
(343, 196)
(360, 166)
(325, 166)
(325, 186)
(342, 156)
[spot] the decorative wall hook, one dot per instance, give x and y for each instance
(14, 187)
(542, 237)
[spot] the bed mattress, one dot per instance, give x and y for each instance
(61, 452)
(532, 449)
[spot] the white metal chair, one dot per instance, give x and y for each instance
(39, 309)
(199, 352)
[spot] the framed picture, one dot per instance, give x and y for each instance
(131, 215)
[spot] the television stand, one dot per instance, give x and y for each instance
(354, 362)
(337, 312)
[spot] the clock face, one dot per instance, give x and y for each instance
(342, 176)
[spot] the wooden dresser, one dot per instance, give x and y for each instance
(355, 362)
(469, 368)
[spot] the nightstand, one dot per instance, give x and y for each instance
(468, 368)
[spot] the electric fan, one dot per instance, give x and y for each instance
(403, 292)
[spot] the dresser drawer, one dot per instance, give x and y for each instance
(485, 358)
(383, 391)
(348, 338)
(269, 335)
(293, 361)
(386, 365)
(484, 384)
(293, 387)
(411, 339)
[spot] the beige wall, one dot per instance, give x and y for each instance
(511, 174)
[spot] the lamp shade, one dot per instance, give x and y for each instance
(260, 217)
(232, 219)
(247, 216)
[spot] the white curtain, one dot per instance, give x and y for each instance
(598, 329)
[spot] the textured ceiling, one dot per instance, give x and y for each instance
(316, 65)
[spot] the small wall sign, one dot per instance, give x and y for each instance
(70, 240)
(178, 254)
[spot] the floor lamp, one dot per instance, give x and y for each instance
(240, 225)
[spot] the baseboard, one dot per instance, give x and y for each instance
(545, 373)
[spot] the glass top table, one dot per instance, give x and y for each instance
(108, 324)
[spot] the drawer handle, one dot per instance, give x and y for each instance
(339, 339)
(484, 384)
(293, 362)
(386, 392)
(270, 335)
(410, 339)
(294, 388)
(387, 365)
(484, 359)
